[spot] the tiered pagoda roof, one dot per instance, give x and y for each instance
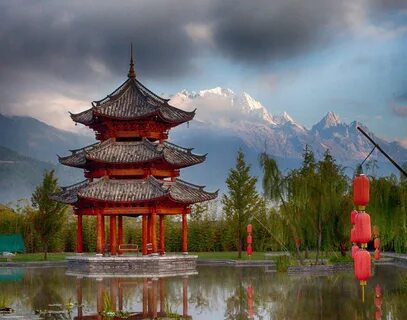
(133, 101)
(134, 190)
(132, 152)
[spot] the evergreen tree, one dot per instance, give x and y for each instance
(49, 214)
(242, 199)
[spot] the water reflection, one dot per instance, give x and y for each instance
(114, 299)
(215, 293)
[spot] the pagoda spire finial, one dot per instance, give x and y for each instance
(132, 72)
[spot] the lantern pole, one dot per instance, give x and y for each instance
(382, 151)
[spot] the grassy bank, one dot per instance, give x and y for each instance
(30, 257)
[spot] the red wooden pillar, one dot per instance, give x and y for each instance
(149, 228)
(103, 235)
(79, 235)
(119, 233)
(185, 297)
(154, 231)
(113, 235)
(162, 235)
(184, 247)
(144, 230)
(100, 230)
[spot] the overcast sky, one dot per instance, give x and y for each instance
(303, 57)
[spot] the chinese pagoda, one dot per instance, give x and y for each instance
(132, 171)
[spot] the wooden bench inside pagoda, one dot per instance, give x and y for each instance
(129, 247)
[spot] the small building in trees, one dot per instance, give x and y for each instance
(133, 170)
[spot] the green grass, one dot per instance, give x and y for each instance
(29, 257)
(232, 255)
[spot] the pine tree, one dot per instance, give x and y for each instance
(49, 215)
(242, 199)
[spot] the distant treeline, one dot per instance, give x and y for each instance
(305, 209)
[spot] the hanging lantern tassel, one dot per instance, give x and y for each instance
(362, 268)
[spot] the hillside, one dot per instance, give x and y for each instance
(19, 174)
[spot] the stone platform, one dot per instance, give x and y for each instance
(133, 266)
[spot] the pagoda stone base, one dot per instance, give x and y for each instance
(140, 266)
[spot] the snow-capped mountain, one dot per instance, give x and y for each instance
(224, 112)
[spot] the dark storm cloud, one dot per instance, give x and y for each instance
(62, 37)
(261, 30)
(74, 46)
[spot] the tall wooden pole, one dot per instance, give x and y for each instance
(119, 233)
(184, 247)
(79, 235)
(144, 227)
(99, 232)
(154, 231)
(162, 235)
(113, 235)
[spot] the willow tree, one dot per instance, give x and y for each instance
(241, 201)
(49, 215)
(275, 188)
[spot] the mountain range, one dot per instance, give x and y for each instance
(225, 121)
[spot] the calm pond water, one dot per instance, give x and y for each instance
(214, 293)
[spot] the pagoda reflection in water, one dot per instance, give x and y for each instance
(110, 296)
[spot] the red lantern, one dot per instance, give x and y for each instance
(249, 228)
(363, 228)
(377, 254)
(362, 266)
(355, 248)
(377, 243)
(361, 191)
(249, 250)
(353, 235)
(249, 239)
(353, 216)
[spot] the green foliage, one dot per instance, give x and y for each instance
(49, 215)
(241, 201)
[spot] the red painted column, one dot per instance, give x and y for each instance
(162, 235)
(103, 235)
(79, 235)
(119, 233)
(113, 235)
(144, 229)
(154, 231)
(184, 247)
(99, 232)
(149, 229)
